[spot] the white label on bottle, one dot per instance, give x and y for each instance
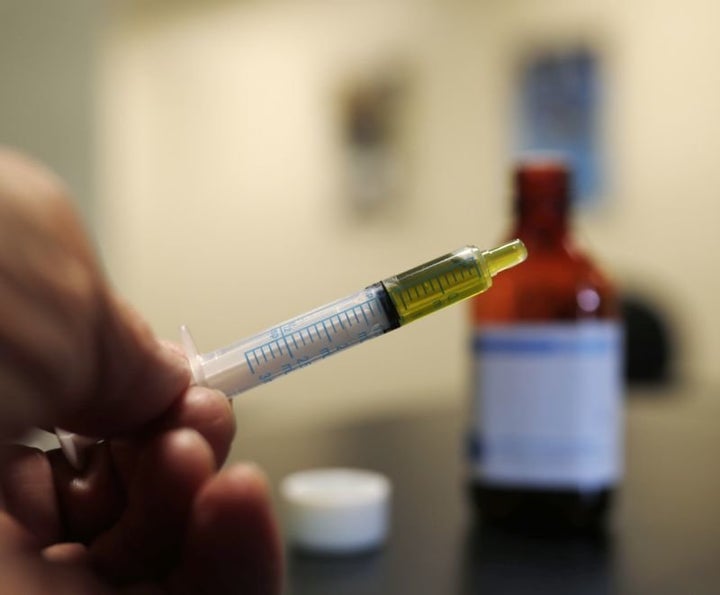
(548, 405)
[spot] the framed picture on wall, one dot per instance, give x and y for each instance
(559, 104)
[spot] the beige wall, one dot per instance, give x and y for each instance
(47, 77)
(221, 198)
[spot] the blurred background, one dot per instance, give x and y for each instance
(240, 162)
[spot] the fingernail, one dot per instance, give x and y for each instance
(253, 471)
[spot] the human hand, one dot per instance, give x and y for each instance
(150, 513)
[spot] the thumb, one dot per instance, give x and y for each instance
(137, 377)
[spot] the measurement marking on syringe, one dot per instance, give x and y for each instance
(429, 284)
(323, 331)
(446, 284)
(287, 346)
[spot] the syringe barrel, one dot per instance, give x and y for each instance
(377, 309)
(295, 343)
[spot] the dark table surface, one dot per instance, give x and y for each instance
(664, 535)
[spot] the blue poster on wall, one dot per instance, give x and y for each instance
(559, 107)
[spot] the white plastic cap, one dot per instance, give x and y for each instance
(337, 511)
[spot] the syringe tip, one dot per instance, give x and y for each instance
(505, 257)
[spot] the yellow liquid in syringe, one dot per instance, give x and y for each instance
(449, 279)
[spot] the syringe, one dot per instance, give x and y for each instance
(300, 341)
(371, 312)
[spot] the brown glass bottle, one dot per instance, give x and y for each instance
(546, 425)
